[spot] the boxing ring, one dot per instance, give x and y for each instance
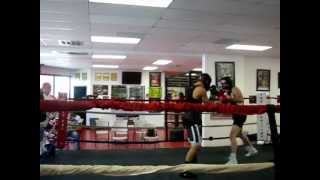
(64, 107)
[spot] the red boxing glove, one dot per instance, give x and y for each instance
(222, 95)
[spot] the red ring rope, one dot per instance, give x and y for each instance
(64, 106)
(58, 105)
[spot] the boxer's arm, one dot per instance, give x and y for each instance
(200, 93)
(236, 96)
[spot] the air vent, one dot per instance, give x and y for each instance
(225, 41)
(70, 43)
(42, 43)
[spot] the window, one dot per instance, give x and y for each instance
(48, 79)
(59, 84)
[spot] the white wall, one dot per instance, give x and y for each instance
(245, 75)
(49, 70)
(208, 66)
(251, 66)
(245, 71)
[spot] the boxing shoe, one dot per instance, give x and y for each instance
(232, 159)
(251, 152)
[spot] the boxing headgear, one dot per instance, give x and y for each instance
(206, 80)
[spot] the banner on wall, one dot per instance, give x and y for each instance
(155, 92)
(263, 128)
(155, 85)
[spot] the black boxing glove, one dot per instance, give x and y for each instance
(213, 92)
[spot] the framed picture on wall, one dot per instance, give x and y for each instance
(98, 76)
(136, 92)
(155, 79)
(114, 76)
(106, 76)
(118, 92)
(263, 80)
(224, 69)
(77, 76)
(84, 76)
(100, 90)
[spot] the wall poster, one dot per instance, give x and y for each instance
(155, 79)
(263, 80)
(106, 76)
(100, 90)
(224, 69)
(98, 76)
(114, 76)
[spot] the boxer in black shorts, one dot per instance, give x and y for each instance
(192, 121)
(193, 125)
(233, 95)
(239, 120)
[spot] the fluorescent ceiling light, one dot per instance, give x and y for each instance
(151, 3)
(197, 69)
(162, 62)
(44, 43)
(248, 47)
(105, 66)
(107, 56)
(117, 40)
(150, 68)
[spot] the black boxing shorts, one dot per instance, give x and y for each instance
(194, 134)
(239, 120)
(192, 122)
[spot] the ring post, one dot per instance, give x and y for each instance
(274, 138)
